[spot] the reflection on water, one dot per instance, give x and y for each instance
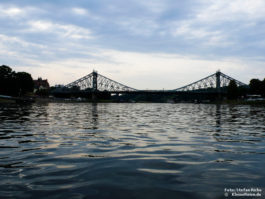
(130, 150)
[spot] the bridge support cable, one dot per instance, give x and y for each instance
(97, 82)
(215, 81)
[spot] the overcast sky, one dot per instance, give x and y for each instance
(140, 43)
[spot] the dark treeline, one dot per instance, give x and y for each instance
(14, 83)
(255, 87)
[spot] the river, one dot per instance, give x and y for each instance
(141, 150)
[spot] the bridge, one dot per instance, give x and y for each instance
(96, 82)
(97, 86)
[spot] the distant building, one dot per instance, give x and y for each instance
(41, 84)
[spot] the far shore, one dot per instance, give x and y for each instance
(73, 100)
(229, 102)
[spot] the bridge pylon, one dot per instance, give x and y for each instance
(95, 80)
(216, 81)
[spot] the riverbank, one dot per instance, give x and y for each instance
(5, 99)
(69, 100)
(9, 99)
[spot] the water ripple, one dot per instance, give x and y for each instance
(59, 150)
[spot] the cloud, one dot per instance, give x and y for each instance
(144, 44)
(142, 27)
(11, 12)
(80, 11)
(237, 10)
(18, 12)
(15, 49)
(138, 70)
(15, 41)
(62, 30)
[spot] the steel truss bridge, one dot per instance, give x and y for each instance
(94, 82)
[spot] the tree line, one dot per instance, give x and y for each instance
(255, 87)
(14, 83)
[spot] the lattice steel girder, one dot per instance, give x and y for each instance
(102, 83)
(211, 81)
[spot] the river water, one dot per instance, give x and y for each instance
(84, 150)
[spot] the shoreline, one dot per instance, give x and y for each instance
(228, 102)
(67, 100)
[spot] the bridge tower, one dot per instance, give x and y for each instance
(95, 80)
(94, 85)
(218, 80)
(218, 84)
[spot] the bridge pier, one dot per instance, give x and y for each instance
(94, 96)
(218, 80)
(218, 85)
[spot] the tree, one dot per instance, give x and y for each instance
(12, 83)
(243, 91)
(75, 88)
(6, 77)
(24, 82)
(263, 88)
(5, 71)
(255, 86)
(232, 90)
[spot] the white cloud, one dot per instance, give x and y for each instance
(80, 11)
(62, 30)
(16, 12)
(226, 10)
(215, 22)
(134, 26)
(9, 42)
(40, 26)
(87, 14)
(209, 23)
(190, 30)
(12, 11)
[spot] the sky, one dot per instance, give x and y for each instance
(150, 44)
